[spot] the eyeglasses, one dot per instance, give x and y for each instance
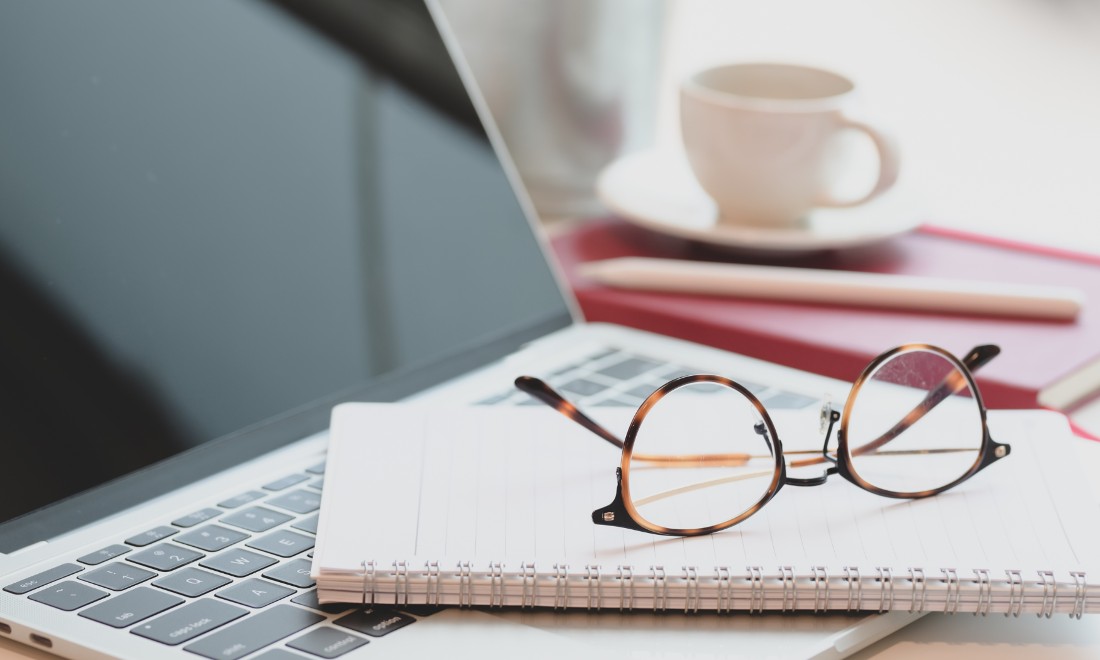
(702, 453)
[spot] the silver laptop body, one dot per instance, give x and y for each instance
(217, 220)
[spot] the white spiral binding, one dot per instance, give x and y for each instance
(790, 590)
(855, 587)
(432, 589)
(916, 577)
(756, 594)
(592, 577)
(561, 586)
(691, 585)
(724, 589)
(821, 600)
(1050, 594)
(400, 583)
(951, 598)
(1015, 593)
(368, 581)
(886, 588)
(530, 585)
(496, 584)
(465, 590)
(985, 592)
(1080, 593)
(660, 588)
(626, 588)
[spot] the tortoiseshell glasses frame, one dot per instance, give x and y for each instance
(623, 513)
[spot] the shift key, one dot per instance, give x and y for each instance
(255, 632)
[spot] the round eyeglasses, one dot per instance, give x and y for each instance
(702, 453)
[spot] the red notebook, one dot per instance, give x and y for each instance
(1048, 363)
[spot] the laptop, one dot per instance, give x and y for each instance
(218, 219)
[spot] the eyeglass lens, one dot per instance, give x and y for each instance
(914, 424)
(701, 457)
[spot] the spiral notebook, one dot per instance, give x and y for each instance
(492, 507)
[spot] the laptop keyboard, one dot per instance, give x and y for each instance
(620, 378)
(232, 578)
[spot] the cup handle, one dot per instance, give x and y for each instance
(888, 159)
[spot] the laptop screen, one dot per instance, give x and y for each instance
(212, 216)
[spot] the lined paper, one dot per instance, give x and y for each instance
(517, 486)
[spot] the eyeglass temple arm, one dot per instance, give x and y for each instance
(543, 392)
(974, 360)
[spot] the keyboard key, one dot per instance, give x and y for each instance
(42, 579)
(277, 654)
(238, 562)
(309, 599)
(190, 621)
(642, 391)
(317, 469)
(583, 387)
(282, 543)
(254, 633)
(299, 501)
(285, 482)
(629, 368)
(131, 607)
(295, 573)
(319, 484)
(256, 519)
(165, 556)
(192, 582)
(327, 642)
(152, 536)
(117, 576)
(601, 354)
(240, 500)
(307, 524)
(375, 621)
(211, 537)
(100, 556)
(68, 595)
(192, 519)
(254, 592)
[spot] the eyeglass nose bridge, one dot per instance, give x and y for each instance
(812, 481)
(829, 418)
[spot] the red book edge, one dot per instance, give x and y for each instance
(608, 305)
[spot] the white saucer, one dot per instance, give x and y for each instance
(656, 190)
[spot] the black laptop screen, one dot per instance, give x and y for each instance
(211, 215)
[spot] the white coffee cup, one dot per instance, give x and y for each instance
(758, 139)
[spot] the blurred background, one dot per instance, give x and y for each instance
(995, 102)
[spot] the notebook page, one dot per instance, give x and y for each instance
(517, 486)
